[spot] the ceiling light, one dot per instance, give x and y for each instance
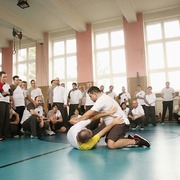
(23, 4)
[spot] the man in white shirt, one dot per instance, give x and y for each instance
(136, 116)
(168, 95)
(59, 97)
(150, 99)
(124, 96)
(116, 136)
(139, 95)
(74, 99)
(18, 99)
(33, 119)
(4, 106)
(111, 93)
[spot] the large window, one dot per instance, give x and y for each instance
(24, 63)
(110, 60)
(64, 61)
(163, 53)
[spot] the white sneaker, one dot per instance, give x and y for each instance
(50, 133)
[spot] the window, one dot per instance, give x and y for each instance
(64, 61)
(163, 53)
(25, 63)
(110, 60)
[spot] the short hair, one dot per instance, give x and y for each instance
(2, 72)
(32, 80)
(74, 83)
(37, 97)
(83, 136)
(94, 89)
(54, 105)
(14, 77)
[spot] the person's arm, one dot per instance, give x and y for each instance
(108, 128)
(17, 118)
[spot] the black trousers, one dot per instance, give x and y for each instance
(139, 121)
(167, 105)
(4, 119)
(150, 114)
(176, 116)
(20, 110)
(32, 125)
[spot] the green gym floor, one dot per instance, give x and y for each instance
(52, 158)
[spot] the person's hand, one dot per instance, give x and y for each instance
(118, 120)
(111, 111)
(73, 120)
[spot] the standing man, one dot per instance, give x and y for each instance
(4, 106)
(124, 96)
(74, 99)
(167, 94)
(59, 97)
(150, 99)
(18, 99)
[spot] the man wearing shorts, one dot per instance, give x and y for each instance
(116, 136)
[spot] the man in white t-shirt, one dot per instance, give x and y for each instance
(116, 136)
(168, 95)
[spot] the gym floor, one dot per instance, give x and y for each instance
(52, 158)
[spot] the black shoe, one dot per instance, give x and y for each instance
(131, 136)
(141, 141)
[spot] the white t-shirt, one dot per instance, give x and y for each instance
(75, 96)
(125, 96)
(18, 97)
(138, 111)
(104, 103)
(167, 94)
(88, 101)
(59, 95)
(140, 94)
(6, 88)
(74, 130)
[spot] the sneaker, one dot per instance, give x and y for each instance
(141, 141)
(50, 133)
(131, 136)
(135, 128)
(33, 137)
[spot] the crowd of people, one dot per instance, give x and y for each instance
(85, 115)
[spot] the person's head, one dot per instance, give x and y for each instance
(53, 83)
(139, 87)
(24, 84)
(16, 80)
(102, 88)
(167, 84)
(38, 100)
(111, 87)
(149, 89)
(76, 112)
(134, 103)
(89, 84)
(123, 105)
(123, 89)
(81, 88)
(57, 81)
(63, 84)
(94, 93)
(74, 85)
(84, 135)
(3, 76)
(33, 83)
(54, 107)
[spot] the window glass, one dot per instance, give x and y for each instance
(117, 38)
(154, 32)
(71, 67)
(102, 41)
(59, 68)
(172, 29)
(58, 48)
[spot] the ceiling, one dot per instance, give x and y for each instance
(53, 15)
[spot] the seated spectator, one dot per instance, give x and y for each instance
(33, 119)
(125, 108)
(136, 116)
(55, 119)
(14, 121)
(176, 113)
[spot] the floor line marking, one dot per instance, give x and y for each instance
(33, 157)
